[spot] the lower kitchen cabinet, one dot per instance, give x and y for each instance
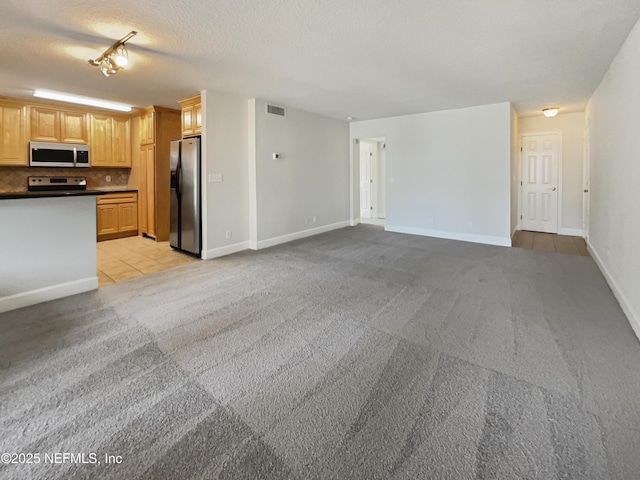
(117, 215)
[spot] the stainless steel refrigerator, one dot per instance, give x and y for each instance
(185, 232)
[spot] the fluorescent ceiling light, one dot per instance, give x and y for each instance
(93, 102)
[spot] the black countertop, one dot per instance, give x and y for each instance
(117, 190)
(55, 193)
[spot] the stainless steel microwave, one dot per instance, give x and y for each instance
(49, 154)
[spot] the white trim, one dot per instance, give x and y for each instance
(632, 315)
(270, 242)
(204, 172)
(465, 237)
(252, 159)
(226, 250)
(520, 200)
(374, 221)
(572, 232)
(53, 292)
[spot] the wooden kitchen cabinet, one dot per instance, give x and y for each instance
(154, 169)
(147, 127)
(191, 116)
(110, 141)
(107, 219)
(121, 142)
(117, 215)
(13, 134)
(100, 144)
(54, 125)
(148, 191)
(73, 127)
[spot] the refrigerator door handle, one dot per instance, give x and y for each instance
(178, 177)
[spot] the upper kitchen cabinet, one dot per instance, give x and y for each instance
(147, 127)
(121, 141)
(54, 125)
(13, 134)
(109, 141)
(191, 116)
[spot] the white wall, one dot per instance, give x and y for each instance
(571, 126)
(614, 220)
(447, 169)
(310, 179)
(47, 249)
(225, 151)
(515, 171)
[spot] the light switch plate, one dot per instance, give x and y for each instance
(215, 178)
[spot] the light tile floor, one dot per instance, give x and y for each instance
(131, 257)
(550, 242)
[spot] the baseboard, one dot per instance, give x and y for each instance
(32, 297)
(632, 315)
(354, 222)
(270, 242)
(572, 232)
(226, 250)
(465, 237)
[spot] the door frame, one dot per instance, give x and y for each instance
(520, 179)
(354, 166)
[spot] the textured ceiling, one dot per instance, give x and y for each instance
(339, 58)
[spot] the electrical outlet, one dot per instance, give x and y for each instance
(470, 225)
(108, 178)
(313, 220)
(228, 234)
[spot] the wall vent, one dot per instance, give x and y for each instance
(275, 110)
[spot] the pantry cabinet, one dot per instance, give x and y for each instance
(164, 123)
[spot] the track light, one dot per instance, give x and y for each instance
(115, 57)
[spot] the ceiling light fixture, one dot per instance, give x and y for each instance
(550, 112)
(94, 102)
(115, 57)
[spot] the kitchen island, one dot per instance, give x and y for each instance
(47, 246)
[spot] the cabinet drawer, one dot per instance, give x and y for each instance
(125, 197)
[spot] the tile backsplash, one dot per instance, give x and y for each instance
(14, 179)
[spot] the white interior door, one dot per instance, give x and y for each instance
(539, 174)
(365, 179)
(382, 183)
(374, 180)
(586, 180)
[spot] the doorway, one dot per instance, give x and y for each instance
(540, 180)
(371, 179)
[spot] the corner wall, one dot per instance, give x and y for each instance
(515, 171)
(571, 125)
(225, 205)
(614, 218)
(306, 190)
(448, 172)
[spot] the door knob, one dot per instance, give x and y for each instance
(586, 191)
(553, 189)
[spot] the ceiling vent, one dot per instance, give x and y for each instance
(272, 109)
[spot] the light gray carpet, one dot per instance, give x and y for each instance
(357, 354)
